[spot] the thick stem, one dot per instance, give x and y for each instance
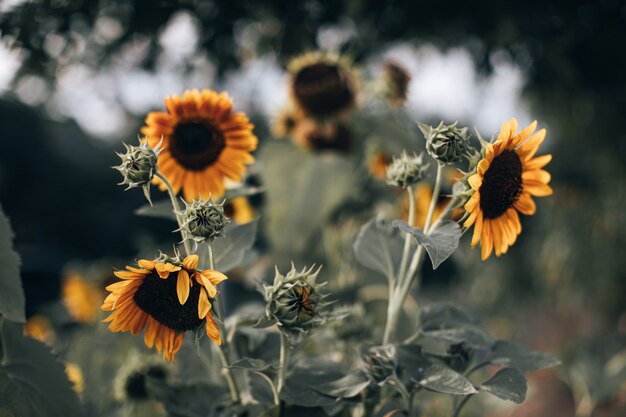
(457, 411)
(223, 349)
(230, 379)
(407, 239)
(284, 358)
(433, 201)
(396, 302)
(271, 384)
(177, 209)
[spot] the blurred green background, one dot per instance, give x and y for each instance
(78, 77)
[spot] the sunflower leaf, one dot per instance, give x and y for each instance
(512, 355)
(348, 386)
(11, 293)
(434, 376)
(32, 381)
(439, 243)
(231, 248)
(160, 209)
(379, 247)
(251, 364)
(508, 384)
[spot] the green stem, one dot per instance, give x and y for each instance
(457, 411)
(433, 201)
(224, 348)
(271, 384)
(407, 238)
(399, 296)
(284, 358)
(228, 373)
(177, 209)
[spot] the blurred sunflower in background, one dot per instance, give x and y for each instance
(161, 297)
(396, 81)
(323, 85)
(239, 210)
(39, 328)
(506, 179)
(377, 163)
(203, 143)
(82, 298)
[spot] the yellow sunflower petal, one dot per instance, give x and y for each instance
(191, 262)
(183, 286)
(525, 204)
(486, 241)
(538, 175)
(538, 162)
(537, 189)
(478, 230)
(204, 305)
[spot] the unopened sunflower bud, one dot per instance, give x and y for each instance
(139, 164)
(379, 363)
(295, 301)
(406, 170)
(447, 144)
(203, 220)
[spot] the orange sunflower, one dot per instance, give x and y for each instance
(204, 142)
(167, 297)
(506, 179)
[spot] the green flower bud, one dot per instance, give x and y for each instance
(379, 363)
(203, 220)
(139, 164)
(446, 143)
(295, 301)
(406, 170)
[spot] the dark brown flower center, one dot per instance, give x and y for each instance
(158, 298)
(301, 302)
(502, 185)
(323, 89)
(196, 145)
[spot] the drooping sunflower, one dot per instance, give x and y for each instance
(81, 298)
(204, 142)
(167, 297)
(323, 85)
(506, 179)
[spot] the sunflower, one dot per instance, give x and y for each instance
(322, 85)
(167, 297)
(204, 142)
(81, 298)
(505, 180)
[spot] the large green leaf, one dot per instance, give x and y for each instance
(301, 383)
(231, 249)
(347, 386)
(379, 247)
(508, 384)
(413, 365)
(32, 381)
(449, 324)
(439, 243)
(161, 209)
(513, 355)
(11, 293)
